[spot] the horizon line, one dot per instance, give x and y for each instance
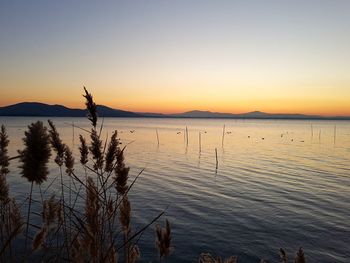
(187, 111)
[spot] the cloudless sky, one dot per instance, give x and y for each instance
(173, 56)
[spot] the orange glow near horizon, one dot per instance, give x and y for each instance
(168, 105)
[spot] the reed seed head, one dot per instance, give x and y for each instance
(84, 150)
(35, 156)
(96, 150)
(91, 107)
(39, 239)
(163, 239)
(283, 255)
(121, 174)
(125, 214)
(4, 159)
(56, 144)
(51, 210)
(300, 256)
(4, 190)
(112, 152)
(69, 161)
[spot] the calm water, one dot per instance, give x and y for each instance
(291, 189)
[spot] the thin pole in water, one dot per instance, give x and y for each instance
(335, 133)
(186, 136)
(223, 136)
(157, 136)
(312, 131)
(216, 157)
(319, 137)
(200, 142)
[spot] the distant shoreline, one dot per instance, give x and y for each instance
(36, 109)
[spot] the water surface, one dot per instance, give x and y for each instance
(279, 183)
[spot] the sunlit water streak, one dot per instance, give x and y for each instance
(289, 189)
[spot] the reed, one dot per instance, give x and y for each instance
(163, 240)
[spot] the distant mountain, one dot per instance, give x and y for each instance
(249, 115)
(45, 110)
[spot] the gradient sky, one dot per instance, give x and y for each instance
(173, 56)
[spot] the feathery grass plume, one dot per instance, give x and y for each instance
(96, 150)
(112, 152)
(36, 154)
(4, 163)
(68, 161)
(283, 255)
(4, 190)
(124, 219)
(125, 214)
(77, 251)
(56, 144)
(51, 210)
(4, 159)
(121, 173)
(15, 218)
(112, 256)
(91, 107)
(300, 257)
(207, 258)
(134, 254)
(163, 239)
(84, 150)
(38, 241)
(92, 207)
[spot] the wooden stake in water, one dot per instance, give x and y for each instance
(312, 131)
(186, 136)
(319, 137)
(157, 136)
(223, 136)
(200, 142)
(216, 158)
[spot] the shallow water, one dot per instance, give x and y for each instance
(290, 189)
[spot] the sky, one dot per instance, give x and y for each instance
(174, 56)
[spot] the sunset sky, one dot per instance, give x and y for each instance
(180, 55)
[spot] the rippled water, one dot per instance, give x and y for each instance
(287, 190)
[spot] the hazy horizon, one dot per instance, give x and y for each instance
(174, 113)
(177, 56)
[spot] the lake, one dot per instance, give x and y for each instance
(279, 183)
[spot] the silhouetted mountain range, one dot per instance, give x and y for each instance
(46, 110)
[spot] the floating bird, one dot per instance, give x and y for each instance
(248, 136)
(281, 135)
(132, 131)
(178, 133)
(292, 140)
(262, 138)
(302, 141)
